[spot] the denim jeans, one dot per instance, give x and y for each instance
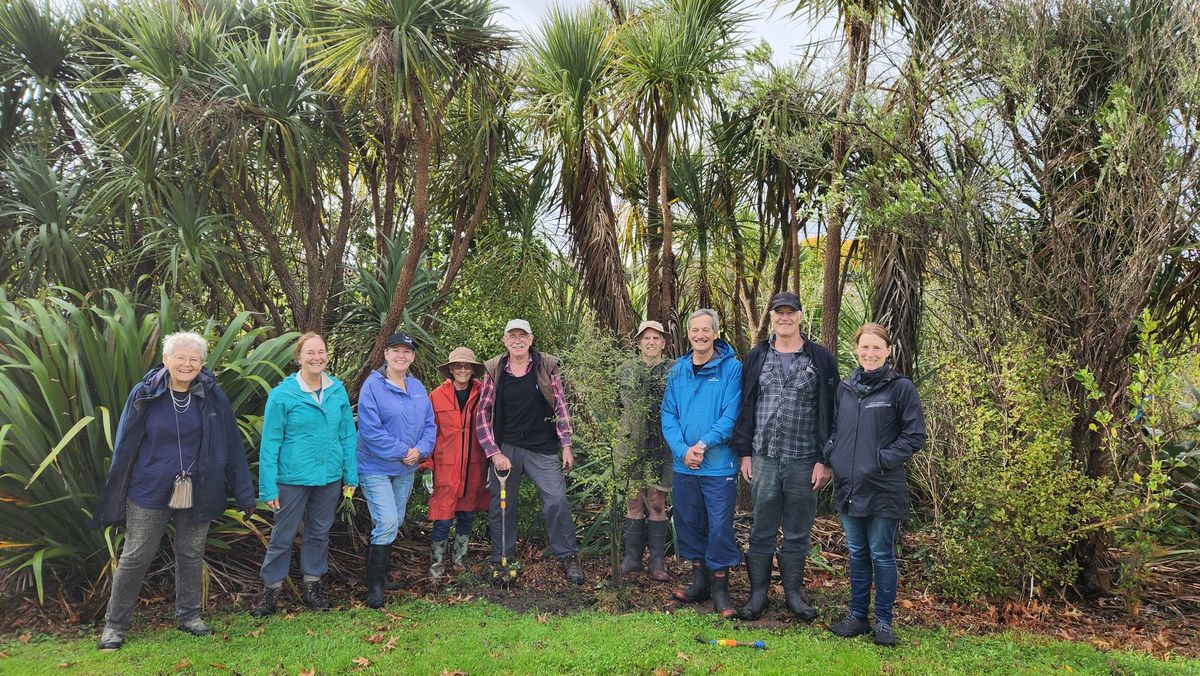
(143, 532)
(872, 544)
(703, 512)
(317, 506)
(783, 495)
(387, 498)
(441, 527)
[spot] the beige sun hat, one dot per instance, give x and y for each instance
(461, 355)
(649, 324)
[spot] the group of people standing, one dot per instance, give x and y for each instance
(179, 456)
(786, 421)
(783, 419)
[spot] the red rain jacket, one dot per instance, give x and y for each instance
(459, 465)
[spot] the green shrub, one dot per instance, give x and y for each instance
(1010, 498)
(67, 363)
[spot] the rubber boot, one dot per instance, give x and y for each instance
(699, 589)
(461, 544)
(635, 544)
(658, 532)
(722, 604)
(437, 560)
(377, 570)
(758, 569)
(791, 571)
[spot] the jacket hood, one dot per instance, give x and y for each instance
(722, 352)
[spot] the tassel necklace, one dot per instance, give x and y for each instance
(181, 494)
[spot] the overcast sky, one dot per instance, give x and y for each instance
(784, 34)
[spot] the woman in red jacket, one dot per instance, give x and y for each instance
(459, 465)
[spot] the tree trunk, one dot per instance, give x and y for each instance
(831, 284)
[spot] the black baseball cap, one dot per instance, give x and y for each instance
(785, 299)
(402, 339)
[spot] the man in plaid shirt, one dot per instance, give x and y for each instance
(788, 383)
(522, 424)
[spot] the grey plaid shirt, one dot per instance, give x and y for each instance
(786, 415)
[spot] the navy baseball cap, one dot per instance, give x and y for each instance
(402, 339)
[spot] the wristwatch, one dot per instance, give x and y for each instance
(703, 446)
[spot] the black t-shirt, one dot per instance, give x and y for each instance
(462, 396)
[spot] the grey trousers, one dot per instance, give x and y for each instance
(317, 506)
(144, 529)
(783, 496)
(546, 472)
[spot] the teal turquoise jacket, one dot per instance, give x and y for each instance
(305, 443)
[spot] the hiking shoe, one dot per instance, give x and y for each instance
(314, 597)
(267, 601)
(110, 639)
(851, 626)
(884, 635)
(195, 627)
(572, 571)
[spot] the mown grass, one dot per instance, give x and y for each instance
(482, 638)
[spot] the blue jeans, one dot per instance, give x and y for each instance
(441, 527)
(783, 495)
(872, 544)
(387, 498)
(703, 512)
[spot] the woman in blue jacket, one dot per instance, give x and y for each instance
(177, 456)
(305, 457)
(879, 425)
(395, 432)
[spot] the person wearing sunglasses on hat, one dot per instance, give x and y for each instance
(458, 463)
(396, 431)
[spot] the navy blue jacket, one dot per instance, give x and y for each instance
(221, 465)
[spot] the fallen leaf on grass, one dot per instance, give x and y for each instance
(256, 633)
(905, 603)
(311, 671)
(362, 662)
(660, 672)
(218, 667)
(309, 632)
(390, 645)
(181, 665)
(4, 654)
(447, 672)
(24, 638)
(682, 656)
(375, 638)
(541, 618)
(65, 665)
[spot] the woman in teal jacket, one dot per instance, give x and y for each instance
(305, 457)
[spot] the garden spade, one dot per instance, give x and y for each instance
(505, 575)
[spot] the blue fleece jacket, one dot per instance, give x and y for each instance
(305, 443)
(703, 406)
(391, 421)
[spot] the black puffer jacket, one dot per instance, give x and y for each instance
(877, 429)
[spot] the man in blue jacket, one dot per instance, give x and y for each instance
(699, 409)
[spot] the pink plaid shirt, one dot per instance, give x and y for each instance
(486, 433)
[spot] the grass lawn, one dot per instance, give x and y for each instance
(482, 638)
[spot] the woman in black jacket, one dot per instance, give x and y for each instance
(879, 425)
(177, 457)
